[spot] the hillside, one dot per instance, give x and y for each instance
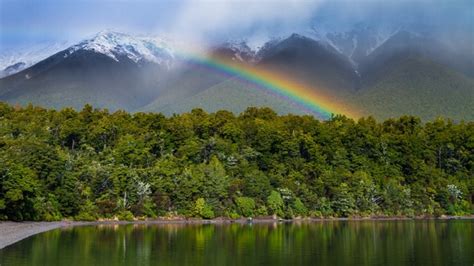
(407, 73)
(418, 86)
(232, 94)
(311, 62)
(110, 70)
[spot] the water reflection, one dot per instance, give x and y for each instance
(323, 243)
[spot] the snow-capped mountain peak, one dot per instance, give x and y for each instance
(136, 48)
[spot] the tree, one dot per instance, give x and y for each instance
(216, 181)
(245, 206)
(299, 208)
(202, 209)
(343, 202)
(275, 203)
(96, 164)
(18, 189)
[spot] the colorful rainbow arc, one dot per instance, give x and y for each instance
(305, 97)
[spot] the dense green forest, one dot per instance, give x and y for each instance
(92, 164)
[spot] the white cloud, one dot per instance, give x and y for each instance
(206, 19)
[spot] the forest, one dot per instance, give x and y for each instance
(95, 164)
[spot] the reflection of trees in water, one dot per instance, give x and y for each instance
(322, 243)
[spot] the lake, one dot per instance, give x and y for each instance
(419, 242)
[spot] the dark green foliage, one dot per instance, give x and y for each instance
(95, 164)
(202, 209)
(275, 203)
(245, 206)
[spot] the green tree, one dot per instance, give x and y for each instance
(245, 206)
(202, 209)
(275, 203)
(343, 202)
(18, 189)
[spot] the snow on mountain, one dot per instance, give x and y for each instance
(238, 49)
(355, 41)
(15, 60)
(243, 51)
(136, 48)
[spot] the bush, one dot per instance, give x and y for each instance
(125, 216)
(324, 207)
(84, 216)
(343, 203)
(233, 215)
(88, 212)
(202, 209)
(275, 203)
(315, 214)
(261, 210)
(245, 206)
(299, 208)
(47, 208)
(105, 206)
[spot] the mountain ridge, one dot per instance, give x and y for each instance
(119, 71)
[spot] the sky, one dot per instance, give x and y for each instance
(24, 22)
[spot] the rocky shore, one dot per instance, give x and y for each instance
(12, 232)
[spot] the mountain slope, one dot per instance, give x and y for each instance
(310, 62)
(358, 42)
(421, 87)
(111, 70)
(406, 44)
(296, 57)
(193, 78)
(405, 74)
(232, 94)
(14, 61)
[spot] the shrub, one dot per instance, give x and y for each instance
(125, 216)
(84, 216)
(245, 206)
(261, 210)
(275, 203)
(299, 208)
(202, 209)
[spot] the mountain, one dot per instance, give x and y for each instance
(111, 70)
(297, 57)
(418, 86)
(405, 44)
(231, 94)
(311, 62)
(358, 42)
(382, 72)
(414, 74)
(193, 79)
(238, 51)
(12, 69)
(14, 60)
(137, 49)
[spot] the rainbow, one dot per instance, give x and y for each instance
(307, 98)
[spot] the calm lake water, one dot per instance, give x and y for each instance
(319, 243)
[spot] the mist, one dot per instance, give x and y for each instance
(211, 21)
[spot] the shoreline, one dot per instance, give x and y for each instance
(13, 232)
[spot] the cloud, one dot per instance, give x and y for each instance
(212, 19)
(209, 20)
